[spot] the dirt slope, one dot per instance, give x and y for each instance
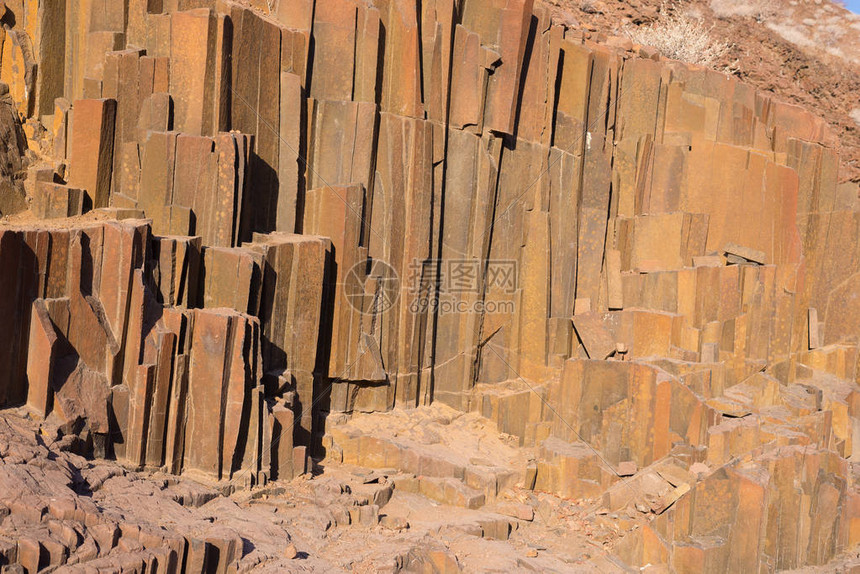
(807, 52)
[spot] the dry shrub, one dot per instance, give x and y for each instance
(589, 6)
(681, 38)
(761, 10)
(793, 34)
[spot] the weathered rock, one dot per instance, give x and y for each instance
(92, 148)
(643, 273)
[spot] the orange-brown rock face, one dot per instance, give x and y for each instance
(245, 220)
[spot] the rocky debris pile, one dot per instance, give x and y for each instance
(65, 511)
(251, 222)
(450, 457)
(59, 509)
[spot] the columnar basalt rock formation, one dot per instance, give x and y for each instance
(242, 221)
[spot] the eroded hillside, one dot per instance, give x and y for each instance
(806, 52)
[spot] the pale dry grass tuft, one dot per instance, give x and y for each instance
(681, 38)
(761, 10)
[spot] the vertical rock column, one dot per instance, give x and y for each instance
(92, 149)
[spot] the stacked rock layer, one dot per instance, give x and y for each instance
(309, 207)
